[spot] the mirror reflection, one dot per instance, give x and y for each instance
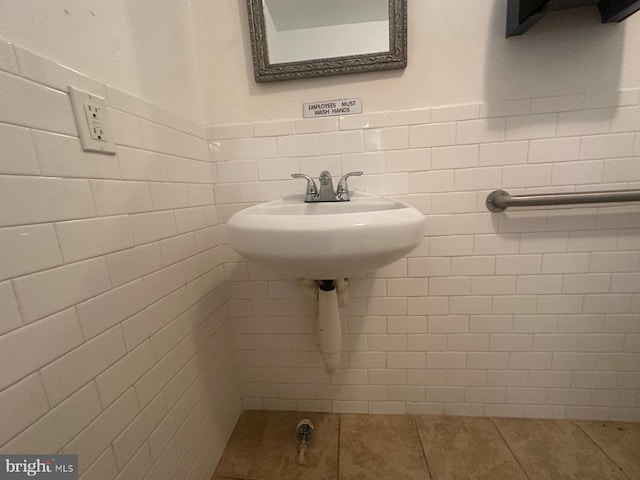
(311, 29)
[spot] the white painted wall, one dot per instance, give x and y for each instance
(144, 47)
(457, 54)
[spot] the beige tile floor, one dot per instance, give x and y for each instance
(349, 447)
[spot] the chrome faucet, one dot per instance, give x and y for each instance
(326, 192)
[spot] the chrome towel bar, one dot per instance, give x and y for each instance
(499, 200)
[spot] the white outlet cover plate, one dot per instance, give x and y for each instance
(105, 143)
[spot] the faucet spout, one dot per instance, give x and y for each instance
(326, 193)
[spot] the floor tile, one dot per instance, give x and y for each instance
(620, 441)
(466, 448)
(556, 449)
(380, 447)
(276, 456)
(263, 447)
(242, 446)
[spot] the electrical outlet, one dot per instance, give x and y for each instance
(90, 112)
(94, 119)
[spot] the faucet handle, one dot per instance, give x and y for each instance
(343, 189)
(312, 189)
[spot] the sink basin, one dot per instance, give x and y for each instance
(325, 241)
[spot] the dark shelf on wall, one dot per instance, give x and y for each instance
(523, 14)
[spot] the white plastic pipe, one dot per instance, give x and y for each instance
(329, 330)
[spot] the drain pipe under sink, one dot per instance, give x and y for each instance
(331, 294)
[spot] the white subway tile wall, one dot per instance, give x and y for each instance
(116, 340)
(121, 305)
(524, 313)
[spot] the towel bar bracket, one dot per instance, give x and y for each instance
(491, 199)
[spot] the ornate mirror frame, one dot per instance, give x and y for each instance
(395, 57)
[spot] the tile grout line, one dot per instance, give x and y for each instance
(509, 447)
(599, 448)
(424, 454)
(338, 459)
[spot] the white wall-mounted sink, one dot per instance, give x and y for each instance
(326, 241)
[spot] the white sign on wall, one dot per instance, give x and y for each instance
(328, 108)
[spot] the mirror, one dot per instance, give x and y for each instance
(317, 38)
